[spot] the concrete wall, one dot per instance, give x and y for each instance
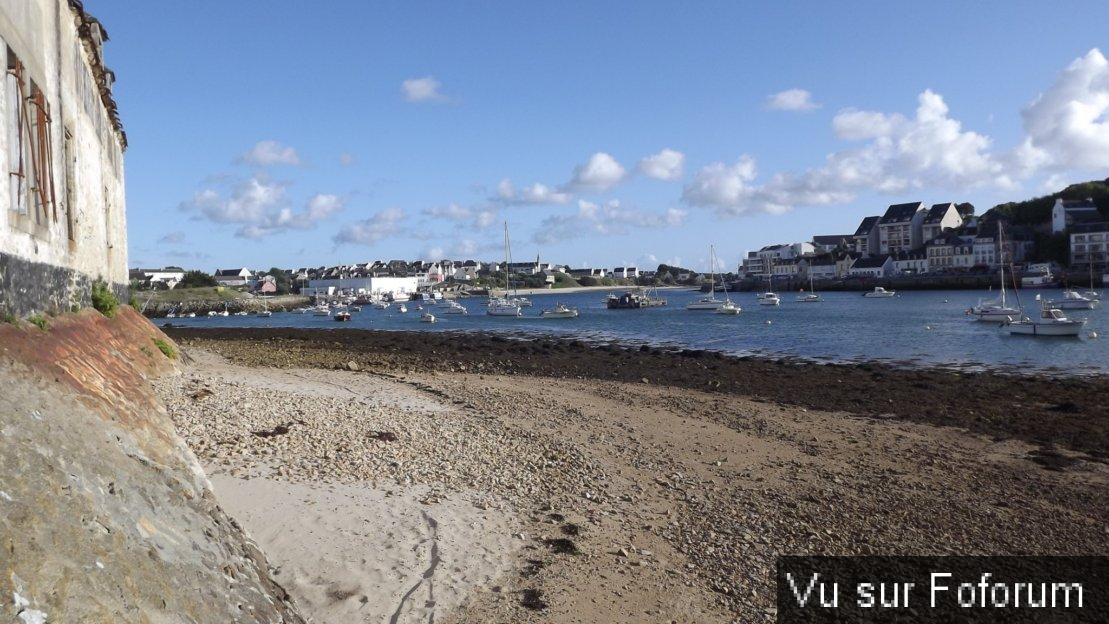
(82, 236)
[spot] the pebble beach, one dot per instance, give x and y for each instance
(396, 478)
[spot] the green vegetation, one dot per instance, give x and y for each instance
(103, 299)
(40, 321)
(1037, 211)
(195, 279)
(10, 318)
(166, 348)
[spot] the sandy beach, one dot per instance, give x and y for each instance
(397, 478)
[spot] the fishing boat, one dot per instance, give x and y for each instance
(633, 300)
(1051, 322)
(560, 310)
(879, 293)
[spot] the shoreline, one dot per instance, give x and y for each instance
(1066, 412)
(612, 499)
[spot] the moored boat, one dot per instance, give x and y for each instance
(633, 300)
(1074, 300)
(879, 293)
(1051, 322)
(560, 310)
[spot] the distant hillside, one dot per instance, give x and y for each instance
(1038, 211)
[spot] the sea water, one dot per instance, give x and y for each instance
(915, 328)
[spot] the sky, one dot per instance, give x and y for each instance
(604, 134)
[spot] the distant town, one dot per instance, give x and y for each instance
(908, 239)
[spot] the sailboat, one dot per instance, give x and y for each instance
(998, 309)
(811, 296)
(265, 313)
(710, 302)
(503, 306)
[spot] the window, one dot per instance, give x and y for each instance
(13, 96)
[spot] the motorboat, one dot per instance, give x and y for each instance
(880, 293)
(321, 310)
(560, 310)
(342, 315)
(402, 308)
(1074, 300)
(1051, 322)
(381, 305)
(427, 317)
(769, 299)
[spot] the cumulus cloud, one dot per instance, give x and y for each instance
(534, 195)
(1068, 126)
(895, 154)
(267, 153)
(791, 100)
(424, 89)
(600, 174)
(261, 207)
(665, 165)
(604, 219)
(474, 217)
(377, 227)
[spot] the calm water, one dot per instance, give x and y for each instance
(921, 328)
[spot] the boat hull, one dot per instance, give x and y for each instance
(1029, 328)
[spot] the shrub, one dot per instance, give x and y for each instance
(103, 299)
(166, 348)
(39, 320)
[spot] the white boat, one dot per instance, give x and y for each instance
(728, 307)
(879, 293)
(402, 308)
(499, 306)
(1051, 322)
(811, 296)
(381, 305)
(769, 298)
(503, 306)
(560, 310)
(321, 310)
(450, 306)
(523, 302)
(997, 310)
(427, 317)
(1073, 300)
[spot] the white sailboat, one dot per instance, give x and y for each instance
(811, 296)
(997, 310)
(504, 306)
(710, 302)
(769, 298)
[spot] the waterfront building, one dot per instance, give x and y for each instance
(866, 236)
(940, 217)
(900, 228)
(63, 211)
(1066, 213)
(872, 266)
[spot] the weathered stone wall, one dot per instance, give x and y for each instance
(105, 514)
(35, 287)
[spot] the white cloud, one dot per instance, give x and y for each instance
(792, 100)
(266, 153)
(600, 174)
(172, 238)
(665, 165)
(534, 195)
(1068, 126)
(379, 226)
(424, 89)
(261, 207)
(451, 212)
(721, 186)
(604, 219)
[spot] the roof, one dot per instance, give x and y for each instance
(873, 262)
(830, 239)
(1086, 228)
(901, 213)
(866, 226)
(937, 212)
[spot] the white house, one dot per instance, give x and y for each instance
(232, 278)
(1089, 245)
(372, 285)
(872, 266)
(1066, 213)
(866, 236)
(625, 272)
(914, 262)
(940, 217)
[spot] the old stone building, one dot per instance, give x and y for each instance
(62, 203)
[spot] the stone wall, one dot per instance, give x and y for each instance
(105, 514)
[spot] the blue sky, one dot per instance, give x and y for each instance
(605, 134)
